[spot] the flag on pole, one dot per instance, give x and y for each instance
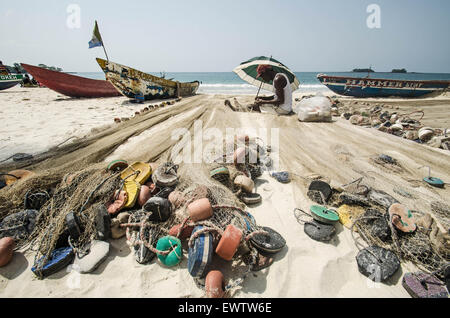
(96, 38)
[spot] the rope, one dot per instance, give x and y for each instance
(200, 232)
(299, 220)
(9, 175)
(254, 233)
(423, 280)
(144, 224)
(362, 235)
(93, 191)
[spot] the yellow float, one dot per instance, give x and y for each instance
(138, 171)
(348, 213)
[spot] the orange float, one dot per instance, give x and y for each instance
(402, 218)
(229, 242)
(200, 210)
(214, 284)
(15, 175)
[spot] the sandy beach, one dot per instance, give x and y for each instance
(36, 119)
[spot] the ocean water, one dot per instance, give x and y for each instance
(230, 83)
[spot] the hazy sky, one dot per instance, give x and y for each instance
(214, 36)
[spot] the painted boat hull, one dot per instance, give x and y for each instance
(142, 86)
(10, 80)
(373, 87)
(71, 85)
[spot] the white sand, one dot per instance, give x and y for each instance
(305, 268)
(35, 119)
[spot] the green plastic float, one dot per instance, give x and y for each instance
(168, 243)
(324, 215)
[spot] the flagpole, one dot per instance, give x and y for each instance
(103, 45)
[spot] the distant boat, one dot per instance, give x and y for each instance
(71, 85)
(377, 87)
(10, 80)
(142, 86)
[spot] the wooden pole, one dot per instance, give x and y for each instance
(259, 89)
(257, 94)
(105, 51)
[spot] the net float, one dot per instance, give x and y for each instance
(117, 202)
(117, 165)
(161, 209)
(7, 246)
(377, 263)
(229, 242)
(200, 210)
(16, 175)
(185, 232)
(214, 284)
(245, 183)
(168, 243)
(402, 218)
(144, 195)
(177, 199)
(200, 253)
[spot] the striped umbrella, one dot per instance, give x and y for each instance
(247, 71)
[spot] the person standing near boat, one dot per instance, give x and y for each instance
(282, 100)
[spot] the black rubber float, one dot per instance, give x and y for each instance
(377, 263)
(319, 231)
(272, 242)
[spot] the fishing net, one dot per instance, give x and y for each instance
(427, 247)
(76, 178)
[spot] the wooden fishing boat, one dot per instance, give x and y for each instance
(377, 87)
(142, 86)
(9, 80)
(71, 85)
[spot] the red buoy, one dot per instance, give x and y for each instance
(7, 246)
(214, 284)
(185, 232)
(144, 194)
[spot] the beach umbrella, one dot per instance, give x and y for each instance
(247, 71)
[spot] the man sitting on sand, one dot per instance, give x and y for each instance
(282, 101)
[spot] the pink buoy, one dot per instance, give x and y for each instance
(7, 246)
(214, 284)
(200, 210)
(177, 199)
(144, 194)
